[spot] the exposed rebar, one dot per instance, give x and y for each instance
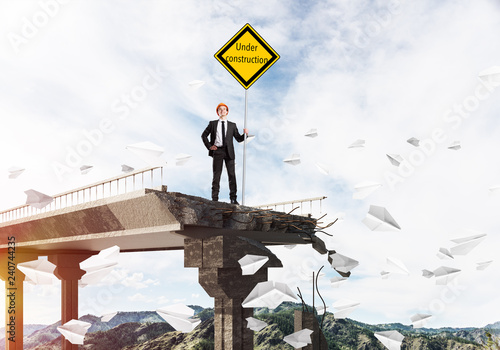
(303, 303)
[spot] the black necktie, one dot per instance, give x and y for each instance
(223, 134)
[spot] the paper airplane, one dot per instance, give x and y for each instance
(344, 308)
(94, 277)
(108, 317)
(427, 273)
(322, 168)
(309, 277)
(445, 274)
(255, 324)
(74, 331)
(294, 159)
(339, 216)
(379, 219)
(248, 139)
(38, 271)
(250, 264)
(299, 339)
(37, 199)
(321, 309)
(344, 303)
(182, 159)
(364, 189)
(385, 274)
(391, 339)
(395, 159)
(179, 317)
(342, 263)
(480, 265)
(84, 169)
(105, 258)
(455, 145)
(491, 76)
(444, 253)
(413, 141)
(495, 189)
(419, 320)
(337, 281)
(98, 266)
(397, 266)
(148, 152)
(341, 314)
(268, 294)
(146, 148)
(312, 133)
(196, 84)
(357, 144)
(464, 245)
(126, 168)
(15, 171)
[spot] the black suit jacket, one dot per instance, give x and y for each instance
(231, 132)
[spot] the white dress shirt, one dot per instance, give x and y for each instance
(218, 136)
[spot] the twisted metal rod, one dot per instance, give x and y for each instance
(324, 304)
(303, 302)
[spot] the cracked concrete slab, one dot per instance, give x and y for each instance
(152, 219)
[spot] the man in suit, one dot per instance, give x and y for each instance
(220, 148)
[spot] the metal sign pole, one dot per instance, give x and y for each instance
(244, 149)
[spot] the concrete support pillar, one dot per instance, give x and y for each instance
(220, 275)
(14, 310)
(69, 272)
(308, 320)
(230, 326)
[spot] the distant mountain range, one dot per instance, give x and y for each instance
(495, 325)
(146, 330)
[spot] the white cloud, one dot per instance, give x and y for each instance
(152, 282)
(43, 291)
(161, 300)
(137, 297)
(135, 281)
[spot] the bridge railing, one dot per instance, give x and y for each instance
(307, 206)
(131, 181)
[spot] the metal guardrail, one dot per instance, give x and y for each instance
(104, 189)
(290, 205)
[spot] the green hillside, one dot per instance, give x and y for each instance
(147, 331)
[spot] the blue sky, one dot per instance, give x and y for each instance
(373, 70)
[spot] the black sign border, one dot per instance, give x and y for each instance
(247, 28)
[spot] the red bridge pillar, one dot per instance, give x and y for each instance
(69, 272)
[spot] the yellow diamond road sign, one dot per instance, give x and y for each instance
(247, 56)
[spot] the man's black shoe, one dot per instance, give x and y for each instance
(215, 200)
(234, 201)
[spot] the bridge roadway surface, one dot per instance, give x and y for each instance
(151, 219)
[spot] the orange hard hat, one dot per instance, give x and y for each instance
(221, 104)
